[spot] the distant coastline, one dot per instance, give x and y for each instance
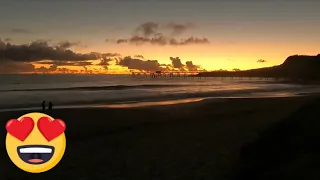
(296, 67)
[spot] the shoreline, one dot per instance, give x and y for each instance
(88, 96)
(160, 102)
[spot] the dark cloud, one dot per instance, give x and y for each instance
(120, 41)
(139, 56)
(105, 62)
(42, 69)
(176, 62)
(138, 40)
(153, 65)
(105, 55)
(148, 29)
(12, 67)
(191, 67)
(190, 40)
(178, 29)
(19, 58)
(20, 31)
(111, 54)
(138, 64)
(151, 33)
(66, 70)
(67, 44)
(106, 58)
(54, 69)
(7, 39)
(261, 61)
(151, 28)
(9, 67)
(2, 44)
(38, 51)
(67, 63)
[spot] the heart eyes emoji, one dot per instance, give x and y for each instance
(50, 129)
(20, 129)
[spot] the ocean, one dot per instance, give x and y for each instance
(28, 91)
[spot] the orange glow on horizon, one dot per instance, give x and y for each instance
(209, 57)
(208, 64)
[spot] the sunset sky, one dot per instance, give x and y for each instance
(244, 34)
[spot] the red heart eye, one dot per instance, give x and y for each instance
(51, 129)
(20, 129)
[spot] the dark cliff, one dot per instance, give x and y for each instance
(295, 67)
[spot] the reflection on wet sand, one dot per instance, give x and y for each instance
(156, 103)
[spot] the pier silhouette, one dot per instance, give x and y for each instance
(193, 75)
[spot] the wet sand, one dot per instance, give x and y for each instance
(198, 140)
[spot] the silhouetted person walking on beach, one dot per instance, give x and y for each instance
(43, 106)
(50, 106)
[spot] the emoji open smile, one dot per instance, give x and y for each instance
(35, 142)
(35, 154)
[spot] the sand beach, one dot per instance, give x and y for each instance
(196, 140)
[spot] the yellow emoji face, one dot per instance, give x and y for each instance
(35, 142)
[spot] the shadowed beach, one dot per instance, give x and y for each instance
(208, 139)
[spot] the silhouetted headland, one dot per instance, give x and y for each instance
(297, 67)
